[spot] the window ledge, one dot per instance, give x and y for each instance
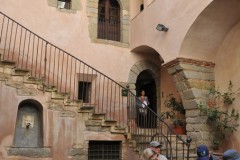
(110, 42)
(70, 11)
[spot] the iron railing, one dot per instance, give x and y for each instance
(145, 128)
(55, 67)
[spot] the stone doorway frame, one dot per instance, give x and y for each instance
(153, 69)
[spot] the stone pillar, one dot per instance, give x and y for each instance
(193, 78)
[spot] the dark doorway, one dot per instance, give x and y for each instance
(146, 82)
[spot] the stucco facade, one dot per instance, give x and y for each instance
(200, 33)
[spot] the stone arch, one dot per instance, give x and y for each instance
(149, 50)
(151, 68)
(92, 13)
(29, 125)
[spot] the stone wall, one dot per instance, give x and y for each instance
(193, 78)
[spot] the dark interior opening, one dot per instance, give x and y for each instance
(84, 91)
(141, 7)
(107, 150)
(146, 82)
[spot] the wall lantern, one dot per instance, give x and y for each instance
(161, 27)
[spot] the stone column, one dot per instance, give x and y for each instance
(193, 78)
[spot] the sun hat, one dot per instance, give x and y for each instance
(155, 144)
(202, 152)
(231, 154)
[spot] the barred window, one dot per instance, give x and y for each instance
(104, 150)
(84, 91)
(109, 20)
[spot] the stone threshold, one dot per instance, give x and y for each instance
(29, 152)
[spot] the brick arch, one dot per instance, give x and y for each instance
(141, 66)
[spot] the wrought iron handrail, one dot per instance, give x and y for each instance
(57, 68)
(148, 126)
(66, 73)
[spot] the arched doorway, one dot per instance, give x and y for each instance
(146, 82)
(28, 130)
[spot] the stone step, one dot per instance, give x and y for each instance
(7, 63)
(34, 80)
(77, 103)
(118, 129)
(18, 78)
(21, 71)
(59, 95)
(86, 109)
(98, 116)
(109, 122)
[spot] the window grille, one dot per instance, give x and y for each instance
(109, 20)
(104, 150)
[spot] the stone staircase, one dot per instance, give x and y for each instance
(19, 78)
(95, 122)
(27, 85)
(177, 154)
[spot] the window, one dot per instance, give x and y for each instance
(104, 150)
(141, 7)
(109, 20)
(64, 4)
(84, 91)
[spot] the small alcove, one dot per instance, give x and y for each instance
(28, 135)
(28, 129)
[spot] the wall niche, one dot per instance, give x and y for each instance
(28, 135)
(28, 130)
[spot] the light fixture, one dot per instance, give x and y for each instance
(161, 27)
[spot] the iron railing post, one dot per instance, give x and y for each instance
(45, 67)
(188, 140)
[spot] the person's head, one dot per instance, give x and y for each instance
(155, 146)
(202, 152)
(142, 93)
(149, 154)
(231, 154)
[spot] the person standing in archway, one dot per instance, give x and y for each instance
(144, 103)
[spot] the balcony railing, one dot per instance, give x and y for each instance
(55, 67)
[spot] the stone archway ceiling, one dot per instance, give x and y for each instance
(209, 30)
(140, 66)
(143, 49)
